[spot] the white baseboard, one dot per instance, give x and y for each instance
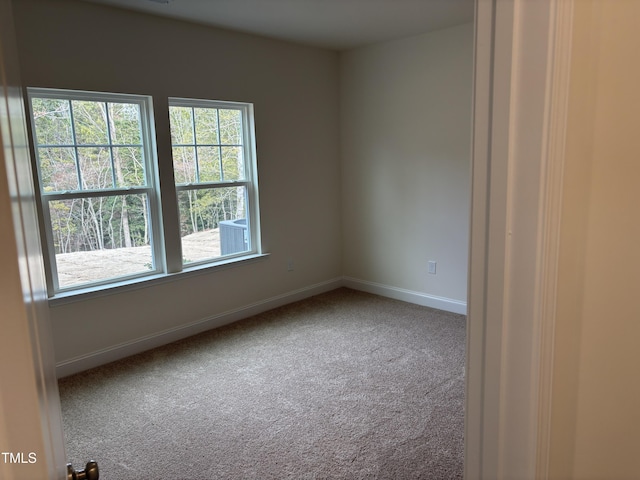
(441, 303)
(126, 349)
(139, 345)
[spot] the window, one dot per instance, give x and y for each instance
(213, 168)
(100, 196)
(95, 169)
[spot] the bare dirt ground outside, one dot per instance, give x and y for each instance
(83, 267)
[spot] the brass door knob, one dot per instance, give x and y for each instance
(90, 472)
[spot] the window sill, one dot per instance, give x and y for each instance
(128, 285)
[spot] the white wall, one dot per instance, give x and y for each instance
(405, 140)
(596, 390)
(77, 45)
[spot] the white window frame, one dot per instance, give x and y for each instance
(162, 257)
(250, 182)
(151, 189)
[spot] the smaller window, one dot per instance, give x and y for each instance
(215, 176)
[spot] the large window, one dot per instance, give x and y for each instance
(100, 201)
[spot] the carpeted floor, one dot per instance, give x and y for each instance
(344, 385)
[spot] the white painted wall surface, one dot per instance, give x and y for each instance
(597, 387)
(405, 140)
(78, 45)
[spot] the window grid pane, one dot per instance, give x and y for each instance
(213, 223)
(210, 164)
(100, 238)
(52, 121)
(58, 169)
(96, 169)
(184, 164)
(90, 122)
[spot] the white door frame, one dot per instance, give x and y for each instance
(521, 85)
(30, 417)
(520, 91)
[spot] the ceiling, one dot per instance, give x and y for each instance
(333, 24)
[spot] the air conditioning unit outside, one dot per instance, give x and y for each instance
(234, 236)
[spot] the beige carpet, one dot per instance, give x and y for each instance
(344, 385)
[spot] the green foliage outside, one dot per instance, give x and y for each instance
(207, 147)
(97, 146)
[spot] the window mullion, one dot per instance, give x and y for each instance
(152, 182)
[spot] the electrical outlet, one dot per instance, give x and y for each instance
(431, 267)
(290, 264)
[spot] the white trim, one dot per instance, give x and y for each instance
(519, 130)
(138, 345)
(481, 133)
(148, 342)
(119, 286)
(494, 25)
(30, 406)
(411, 296)
(558, 84)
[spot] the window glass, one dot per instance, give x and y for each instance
(93, 168)
(100, 193)
(100, 238)
(211, 158)
(213, 223)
